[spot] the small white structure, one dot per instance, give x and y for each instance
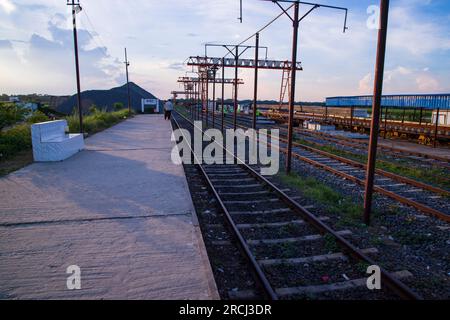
(444, 117)
(150, 105)
(51, 143)
(314, 126)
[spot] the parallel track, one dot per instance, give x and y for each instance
(418, 195)
(241, 191)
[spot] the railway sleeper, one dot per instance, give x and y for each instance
(318, 289)
(312, 237)
(312, 259)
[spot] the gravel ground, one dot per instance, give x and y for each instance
(405, 238)
(230, 269)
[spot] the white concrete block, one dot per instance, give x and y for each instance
(51, 143)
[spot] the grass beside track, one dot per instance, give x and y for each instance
(435, 176)
(330, 199)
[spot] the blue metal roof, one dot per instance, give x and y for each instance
(426, 101)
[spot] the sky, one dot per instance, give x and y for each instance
(37, 56)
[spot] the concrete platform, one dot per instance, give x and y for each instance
(120, 210)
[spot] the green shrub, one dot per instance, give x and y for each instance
(37, 117)
(14, 140)
(97, 121)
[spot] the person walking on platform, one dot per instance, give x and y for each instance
(168, 107)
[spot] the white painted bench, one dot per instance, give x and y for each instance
(51, 143)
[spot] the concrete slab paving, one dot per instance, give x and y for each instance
(120, 210)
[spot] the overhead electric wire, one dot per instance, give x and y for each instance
(260, 30)
(266, 26)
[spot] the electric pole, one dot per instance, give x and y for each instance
(376, 105)
(76, 8)
(127, 64)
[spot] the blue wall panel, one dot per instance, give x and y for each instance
(432, 101)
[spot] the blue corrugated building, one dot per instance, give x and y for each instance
(425, 101)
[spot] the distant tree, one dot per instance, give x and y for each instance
(118, 106)
(10, 114)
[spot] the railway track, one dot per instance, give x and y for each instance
(423, 197)
(403, 128)
(363, 146)
(279, 238)
(358, 146)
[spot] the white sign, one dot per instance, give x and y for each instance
(152, 102)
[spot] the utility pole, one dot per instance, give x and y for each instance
(255, 89)
(127, 64)
(292, 97)
(236, 59)
(214, 97)
(296, 21)
(223, 94)
(76, 8)
(375, 125)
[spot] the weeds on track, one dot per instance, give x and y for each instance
(330, 199)
(435, 176)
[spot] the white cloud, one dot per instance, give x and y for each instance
(403, 80)
(413, 35)
(8, 6)
(366, 84)
(426, 82)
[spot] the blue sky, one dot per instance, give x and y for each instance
(36, 45)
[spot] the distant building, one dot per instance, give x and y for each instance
(444, 117)
(14, 99)
(425, 101)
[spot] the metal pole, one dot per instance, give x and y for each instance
(351, 118)
(77, 67)
(214, 98)
(255, 89)
(207, 96)
(385, 121)
(223, 92)
(421, 116)
(128, 83)
(378, 90)
(292, 96)
(203, 97)
(403, 116)
(436, 129)
(235, 87)
(197, 99)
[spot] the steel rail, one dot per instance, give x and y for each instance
(363, 145)
(381, 172)
(421, 207)
(407, 128)
(261, 277)
(354, 143)
(394, 284)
